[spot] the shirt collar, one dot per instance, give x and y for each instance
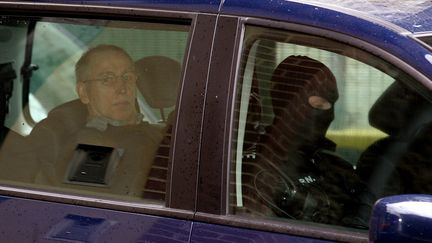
(101, 123)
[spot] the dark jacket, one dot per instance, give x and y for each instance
(55, 140)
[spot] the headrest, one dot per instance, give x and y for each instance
(158, 80)
(399, 111)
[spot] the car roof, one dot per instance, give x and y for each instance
(413, 16)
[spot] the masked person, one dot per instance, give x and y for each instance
(300, 177)
(99, 143)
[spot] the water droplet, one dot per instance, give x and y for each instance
(429, 58)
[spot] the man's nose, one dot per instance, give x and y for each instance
(121, 85)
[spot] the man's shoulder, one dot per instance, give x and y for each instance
(145, 130)
(71, 115)
(156, 130)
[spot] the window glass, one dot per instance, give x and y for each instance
(316, 121)
(57, 46)
(92, 111)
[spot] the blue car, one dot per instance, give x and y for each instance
(215, 121)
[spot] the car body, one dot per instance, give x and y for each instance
(202, 198)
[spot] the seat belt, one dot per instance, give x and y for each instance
(7, 76)
(28, 67)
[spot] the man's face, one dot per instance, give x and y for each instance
(110, 87)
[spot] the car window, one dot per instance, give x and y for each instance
(322, 130)
(97, 104)
(57, 46)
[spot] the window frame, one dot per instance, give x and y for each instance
(221, 214)
(184, 158)
(425, 38)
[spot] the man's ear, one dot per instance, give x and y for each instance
(81, 89)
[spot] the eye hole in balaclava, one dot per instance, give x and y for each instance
(304, 92)
(319, 103)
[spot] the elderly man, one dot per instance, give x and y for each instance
(106, 83)
(99, 144)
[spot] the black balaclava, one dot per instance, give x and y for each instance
(298, 124)
(295, 136)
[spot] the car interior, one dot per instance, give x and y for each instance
(159, 75)
(376, 129)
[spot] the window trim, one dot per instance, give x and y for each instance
(189, 123)
(420, 36)
(94, 11)
(213, 164)
(78, 200)
(295, 228)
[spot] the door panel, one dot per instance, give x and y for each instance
(38, 221)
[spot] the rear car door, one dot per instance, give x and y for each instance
(101, 198)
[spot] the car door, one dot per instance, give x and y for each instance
(40, 45)
(274, 88)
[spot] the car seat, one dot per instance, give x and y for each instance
(158, 81)
(384, 167)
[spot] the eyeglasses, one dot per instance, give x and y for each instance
(109, 79)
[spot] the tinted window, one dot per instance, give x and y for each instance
(322, 130)
(98, 104)
(426, 39)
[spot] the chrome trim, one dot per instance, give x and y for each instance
(73, 9)
(289, 227)
(422, 34)
(418, 37)
(105, 203)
